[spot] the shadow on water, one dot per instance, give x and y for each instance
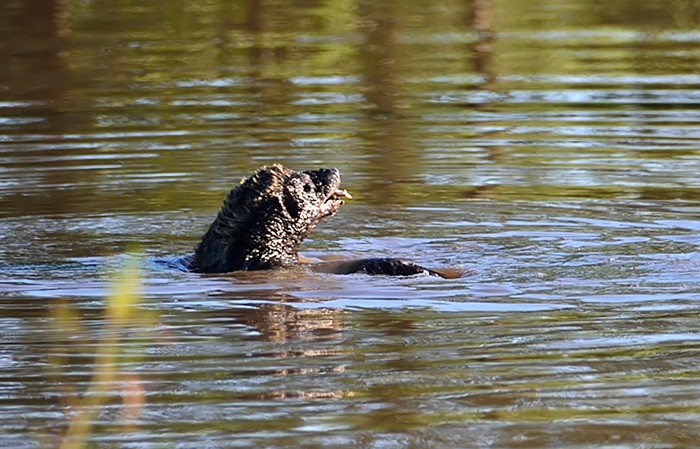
(549, 151)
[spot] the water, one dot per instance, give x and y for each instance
(548, 151)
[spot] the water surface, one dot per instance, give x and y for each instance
(550, 152)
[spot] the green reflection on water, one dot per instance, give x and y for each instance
(164, 106)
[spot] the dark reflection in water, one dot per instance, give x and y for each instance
(549, 151)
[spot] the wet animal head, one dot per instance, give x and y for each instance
(266, 217)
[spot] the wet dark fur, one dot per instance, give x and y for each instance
(265, 218)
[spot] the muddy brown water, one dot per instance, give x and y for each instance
(550, 151)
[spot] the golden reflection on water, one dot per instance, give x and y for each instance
(451, 102)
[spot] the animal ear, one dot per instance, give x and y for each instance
(242, 196)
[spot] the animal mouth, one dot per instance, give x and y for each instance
(334, 201)
(340, 193)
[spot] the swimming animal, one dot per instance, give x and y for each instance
(266, 217)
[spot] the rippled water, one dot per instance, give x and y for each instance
(549, 151)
